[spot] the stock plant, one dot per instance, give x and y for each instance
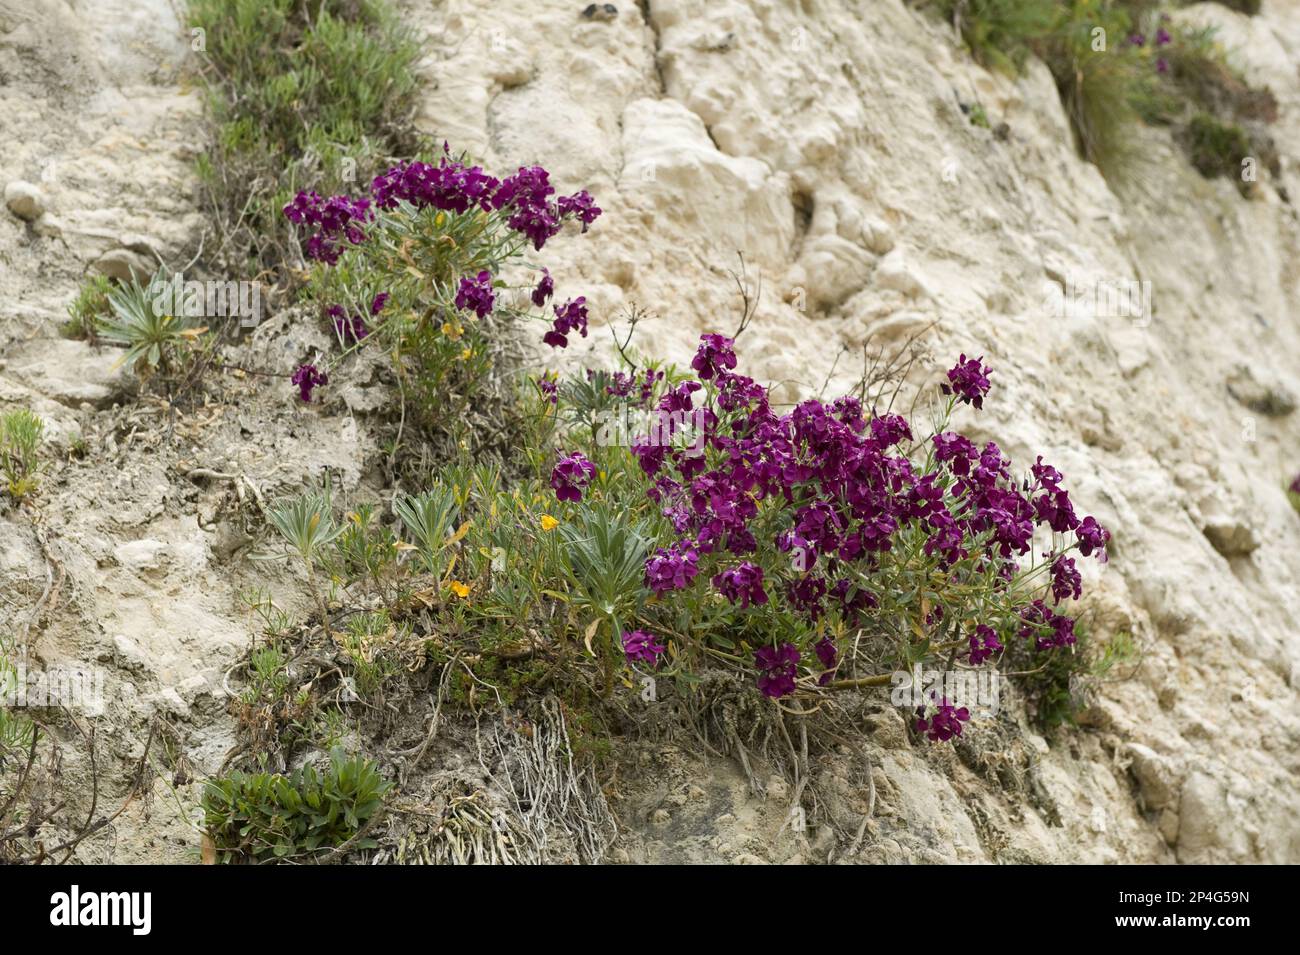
(816, 547)
(262, 817)
(414, 267)
(1293, 493)
(20, 440)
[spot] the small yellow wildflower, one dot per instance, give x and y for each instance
(459, 589)
(453, 330)
(549, 523)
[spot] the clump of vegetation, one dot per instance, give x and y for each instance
(88, 308)
(413, 267)
(306, 95)
(20, 440)
(1058, 685)
(157, 342)
(259, 817)
(1121, 62)
(1216, 148)
(1293, 493)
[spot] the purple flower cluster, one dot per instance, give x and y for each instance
(333, 219)
(642, 647)
(307, 378)
(844, 493)
(777, 669)
(983, 644)
(1295, 485)
(969, 381)
(571, 476)
(623, 384)
(944, 724)
(548, 388)
(544, 290)
(672, 568)
(1045, 627)
(829, 658)
(715, 356)
(475, 294)
(451, 186)
(853, 494)
(743, 583)
(569, 317)
(353, 328)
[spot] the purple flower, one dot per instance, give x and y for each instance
(672, 568)
(333, 218)
(716, 353)
(450, 186)
(1037, 619)
(1295, 485)
(378, 302)
(545, 289)
(889, 429)
(1137, 39)
(642, 647)
(548, 388)
(777, 669)
(527, 194)
(570, 476)
(1066, 581)
(744, 583)
(1162, 65)
(349, 328)
(571, 316)
(1163, 38)
(476, 294)
(306, 378)
(944, 724)
(580, 206)
(1092, 537)
(968, 380)
(956, 450)
(829, 656)
(983, 644)
(805, 595)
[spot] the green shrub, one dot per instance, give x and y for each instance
(1057, 685)
(86, 310)
(1216, 148)
(155, 340)
(20, 440)
(1001, 34)
(1119, 62)
(260, 817)
(305, 95)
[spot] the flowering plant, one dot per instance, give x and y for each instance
(415, 264)
(815, 545)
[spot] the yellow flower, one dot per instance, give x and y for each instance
(466, 353)
(549, 523)
(453, 330)
(459, 589)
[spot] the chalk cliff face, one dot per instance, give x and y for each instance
(826, 141)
